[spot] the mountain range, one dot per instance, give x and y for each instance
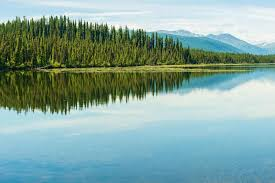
(219, 43)
(268, 46)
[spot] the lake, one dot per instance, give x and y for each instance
(170, 127)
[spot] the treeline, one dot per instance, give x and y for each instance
(63, 92)
(61, 42)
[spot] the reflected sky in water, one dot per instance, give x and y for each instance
(215, 128)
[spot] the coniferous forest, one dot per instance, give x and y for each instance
(61, 42)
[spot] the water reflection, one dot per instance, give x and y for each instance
(200, 128)
(61, 92)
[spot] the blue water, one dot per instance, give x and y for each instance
(217, 128)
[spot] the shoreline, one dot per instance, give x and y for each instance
(155, 68)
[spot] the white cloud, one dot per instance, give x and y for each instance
(59, 3)
(80, 4)
(106, 14)
(254, 24)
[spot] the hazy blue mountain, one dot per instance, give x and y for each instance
(200, 42)
(238, 43)
(219, 43)
(184, 33)
(269, 46)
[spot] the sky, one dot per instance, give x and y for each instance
(250, 20)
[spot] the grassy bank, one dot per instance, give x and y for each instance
(167, 68)
(158, 68)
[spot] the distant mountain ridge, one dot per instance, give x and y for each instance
(184, 33)
(268, 46)
(238, 43)
(219, 43)
(200, 42)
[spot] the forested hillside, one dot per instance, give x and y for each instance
(61, 42)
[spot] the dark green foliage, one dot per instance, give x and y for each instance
(60, 42)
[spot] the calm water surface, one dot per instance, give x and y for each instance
(137, 127)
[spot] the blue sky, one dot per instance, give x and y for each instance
(251, 20)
